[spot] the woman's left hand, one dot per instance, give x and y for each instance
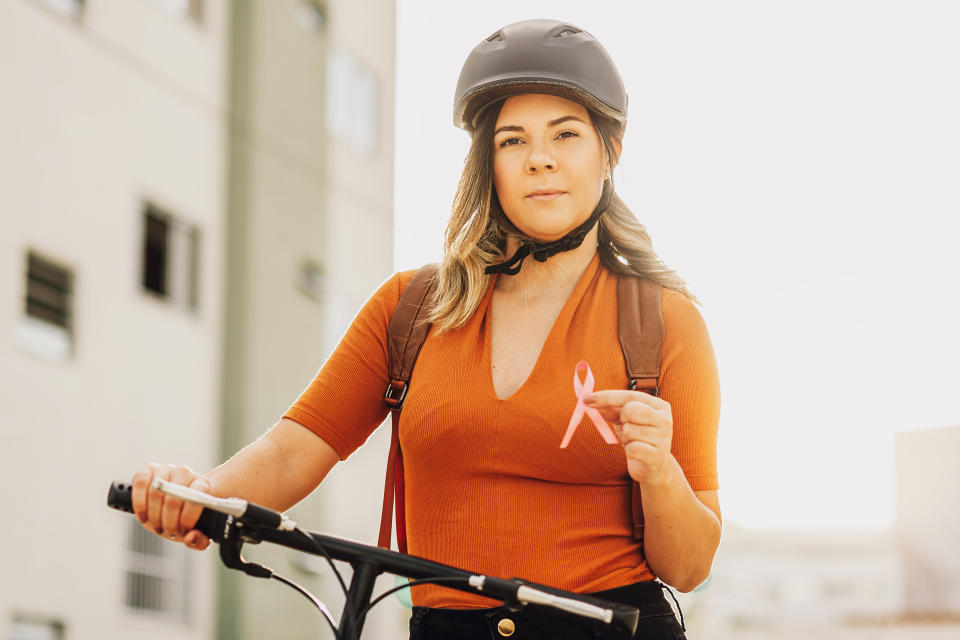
(644, 425)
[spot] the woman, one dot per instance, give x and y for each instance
(496, 478)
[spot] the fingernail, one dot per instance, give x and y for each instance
(141, 516)
(158, 530)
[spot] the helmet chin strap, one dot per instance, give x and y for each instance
(542, 251)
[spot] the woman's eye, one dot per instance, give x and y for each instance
(512, 142)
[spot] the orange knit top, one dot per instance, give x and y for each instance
(488, 487)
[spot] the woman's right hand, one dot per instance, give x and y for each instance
(165, 515)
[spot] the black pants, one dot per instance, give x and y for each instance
(657, 620)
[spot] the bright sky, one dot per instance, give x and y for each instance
(799, 165)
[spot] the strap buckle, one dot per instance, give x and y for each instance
(395, 394)
(654, 391)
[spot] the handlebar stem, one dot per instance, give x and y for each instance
(361, 588)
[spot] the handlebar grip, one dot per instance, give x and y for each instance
(210, 524)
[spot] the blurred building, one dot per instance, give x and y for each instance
(928, 520)
(846, 585)
(764, 581)
(185, 186)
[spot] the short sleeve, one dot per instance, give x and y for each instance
(689, 381)
(344, 402)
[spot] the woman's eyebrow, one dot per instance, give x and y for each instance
(552, 123)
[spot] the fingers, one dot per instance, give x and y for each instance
(641, 433)
(172, 506)
(640, 413)
(191, 511)
(609, 413)
(641, 451)
(644, 426)
(631, 411)
(623, 405)
(166, 515)
(647, 450)
(620, 397)
(196, 540)
(140, 482)
(155, 499)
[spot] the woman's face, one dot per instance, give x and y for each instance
(548, 164)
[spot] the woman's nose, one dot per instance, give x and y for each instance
(540, 160)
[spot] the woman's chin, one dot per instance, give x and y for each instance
(544, 236)
(548, 234)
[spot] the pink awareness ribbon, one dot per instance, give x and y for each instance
(582, 390)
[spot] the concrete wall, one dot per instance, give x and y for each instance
(302, 192)
(225, 124)
(98, 115)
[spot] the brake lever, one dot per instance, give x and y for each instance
(230, 548)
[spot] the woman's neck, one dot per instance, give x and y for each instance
(558, 275)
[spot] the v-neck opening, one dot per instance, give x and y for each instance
(577, 294)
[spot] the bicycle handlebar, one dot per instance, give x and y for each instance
(368, 562)
(210, 524)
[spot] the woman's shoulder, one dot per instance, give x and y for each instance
(400, 279)
(679, 311)
(684, 326)
(387, 295)
(676, 302)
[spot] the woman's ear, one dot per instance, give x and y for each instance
(615, 160)
(617, 147)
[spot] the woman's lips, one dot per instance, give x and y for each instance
(553, 195)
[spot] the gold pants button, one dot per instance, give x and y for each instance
(506, 627)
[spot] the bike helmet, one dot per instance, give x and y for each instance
(539, 56)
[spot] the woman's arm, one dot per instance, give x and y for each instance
(681, 528)
(277, 470)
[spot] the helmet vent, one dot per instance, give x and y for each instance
(496, 37)
(567, 31)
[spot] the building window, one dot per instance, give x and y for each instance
(156, 580)
(310, 280)
(312, 16)
(170, 255)
(35, 628)
(48, 292)
(190, 9)
(352, 101)
(45, 328)
(69, 8)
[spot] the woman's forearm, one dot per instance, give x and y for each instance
(681, 534)
(277, 470)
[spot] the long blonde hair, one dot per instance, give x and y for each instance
(475, 237)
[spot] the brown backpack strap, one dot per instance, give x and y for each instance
(405, 335)
(640, 329)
